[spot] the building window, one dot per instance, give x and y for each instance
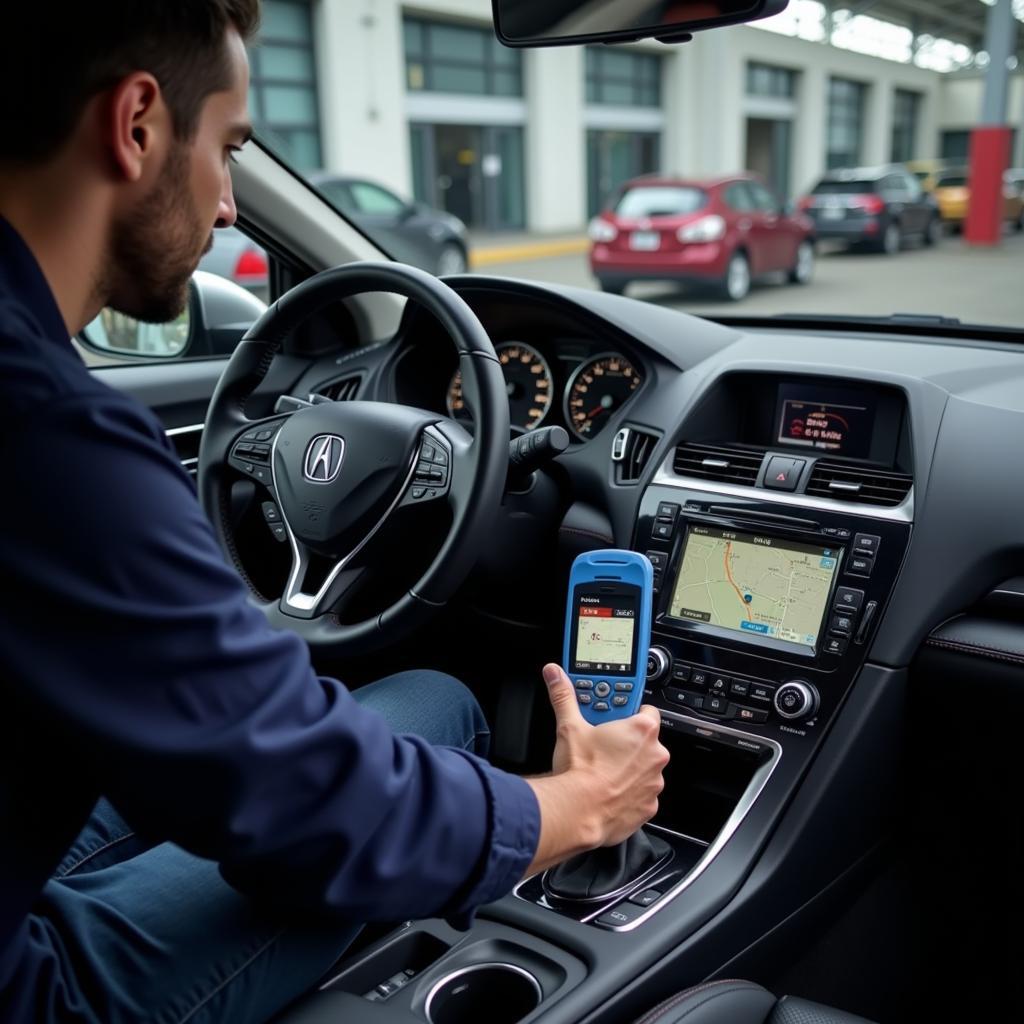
(613, 157)
(905, 106)
(457, 58)
(623, 79)
(767, 80)
(282, 85)
(845, 122)
(956, 146)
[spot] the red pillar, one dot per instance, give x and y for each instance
(990, 156)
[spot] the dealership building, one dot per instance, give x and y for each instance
(423, 99)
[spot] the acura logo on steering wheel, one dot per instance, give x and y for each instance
(323, 458)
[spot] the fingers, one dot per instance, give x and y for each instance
(562, 695)
(651, 712)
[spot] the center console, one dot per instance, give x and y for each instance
(774, 555)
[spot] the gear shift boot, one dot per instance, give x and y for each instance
(599, 873)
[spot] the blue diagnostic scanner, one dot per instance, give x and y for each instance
(608, 631)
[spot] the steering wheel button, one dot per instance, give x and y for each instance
(441, 457)
(427, 452)
(271, 512)
(263, 435)
(263, 475)
(418, 492)
(279, 532)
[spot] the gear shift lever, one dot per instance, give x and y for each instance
(607, 870)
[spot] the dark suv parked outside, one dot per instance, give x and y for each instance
(877, 206)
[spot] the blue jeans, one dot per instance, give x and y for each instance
(150, 932)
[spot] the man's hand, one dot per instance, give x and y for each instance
(605, 779)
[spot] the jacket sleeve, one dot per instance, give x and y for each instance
(206, 727)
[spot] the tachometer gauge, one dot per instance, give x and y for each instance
(597, 388)
(528, 382)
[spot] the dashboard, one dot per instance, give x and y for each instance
(816, 506)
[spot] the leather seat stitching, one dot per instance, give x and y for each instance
(999, 654)
(674, 1001)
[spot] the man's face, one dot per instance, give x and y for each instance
(157, 245)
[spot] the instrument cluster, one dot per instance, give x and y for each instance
(582, 394)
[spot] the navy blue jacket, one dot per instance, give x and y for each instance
(133, 665)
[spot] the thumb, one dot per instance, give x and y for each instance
(562, 694)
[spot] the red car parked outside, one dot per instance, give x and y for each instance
(723, 232)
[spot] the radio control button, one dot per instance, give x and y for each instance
(688, 700)
(699, 678)
(739, 688)
(716, 705)
(860, 565)
(866, 544)
(658, 559)
(835, 645)
(840, 625)
(848, 599)
(602, 689)
(658, 662)
(796, 699)
(761, 692)
(719, 684)
(681, 673)
(751, 715)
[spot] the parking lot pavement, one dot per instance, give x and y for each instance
(977, 285)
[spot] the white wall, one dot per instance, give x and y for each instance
(961, 106)
(361, 78)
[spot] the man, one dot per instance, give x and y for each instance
(269, 810)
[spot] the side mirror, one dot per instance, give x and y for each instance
(217, 315)
(118, 334)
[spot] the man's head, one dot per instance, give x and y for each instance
(144, 102)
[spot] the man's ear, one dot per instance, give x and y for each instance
(137, 123)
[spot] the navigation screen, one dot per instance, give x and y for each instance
(754, 585)
(604, 639)
(834, 419)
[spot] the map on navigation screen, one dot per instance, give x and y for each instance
(604, 637)
(754, 584)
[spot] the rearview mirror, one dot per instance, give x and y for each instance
(565, 22)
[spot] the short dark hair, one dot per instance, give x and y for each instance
(54, 57)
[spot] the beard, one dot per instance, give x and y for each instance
(156, 247)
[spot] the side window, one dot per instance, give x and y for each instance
(739, 198)
(228, 292)
(912, 186)
(337, 192)
(763, 199)
(374, 200)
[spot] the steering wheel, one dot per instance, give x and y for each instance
(338, 471)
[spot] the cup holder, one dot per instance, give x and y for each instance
(494, 992)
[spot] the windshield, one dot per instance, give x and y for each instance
(659, 201)
(951, 181)
(454, 152)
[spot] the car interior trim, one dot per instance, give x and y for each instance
(902, 513)
(758, 781)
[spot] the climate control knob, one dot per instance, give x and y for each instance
(658, 662)
(796, 699)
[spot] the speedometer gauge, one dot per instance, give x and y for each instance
(596, 390)
(528, 383)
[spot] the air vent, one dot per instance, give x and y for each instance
(853, 483)
(631, 451)
(725, 463)
(343, 390)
